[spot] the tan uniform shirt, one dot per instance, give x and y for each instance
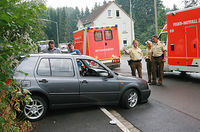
(158, 49)
(148, 53)
(135, 53)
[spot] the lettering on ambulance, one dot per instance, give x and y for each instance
(101, 50)
(78, 38)
(195, 21)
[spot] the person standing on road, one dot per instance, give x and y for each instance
(135, 59)
(72, 50)
(51, 48)
(157, 58)
(147, 59)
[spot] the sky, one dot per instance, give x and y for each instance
(90, 3)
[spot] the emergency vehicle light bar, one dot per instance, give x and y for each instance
(102, 27)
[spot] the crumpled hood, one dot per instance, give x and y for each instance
(133, 81)
(121, 77)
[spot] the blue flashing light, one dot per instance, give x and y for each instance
(88, 27)
(116, 25)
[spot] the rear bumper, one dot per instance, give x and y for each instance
(112, 65)
(145, 95)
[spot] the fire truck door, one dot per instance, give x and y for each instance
(191, 43)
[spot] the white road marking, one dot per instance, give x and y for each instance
(123, 124)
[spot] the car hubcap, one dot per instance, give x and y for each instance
(132, 100)
(34, 109)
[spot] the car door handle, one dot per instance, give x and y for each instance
(84, 81)
(43, 81)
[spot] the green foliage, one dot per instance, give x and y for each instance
(143, 14)
(20, 27)
(66, 18)
(87, 12)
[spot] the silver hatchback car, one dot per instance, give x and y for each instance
(64, 80)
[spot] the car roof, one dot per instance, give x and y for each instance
(55, 55)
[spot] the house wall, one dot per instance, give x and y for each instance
(123, 21)
(80, 25)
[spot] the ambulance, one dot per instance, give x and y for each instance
(182, 36)
(101, 43)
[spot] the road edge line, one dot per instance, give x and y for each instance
(119, 124)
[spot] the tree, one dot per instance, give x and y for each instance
(82, 13)
(190, 3)
(96, 6)
(62, 25)
(66, 18)
(87, 12)
(20, 28)
(77, 12)
(104, 2)
(174, 7)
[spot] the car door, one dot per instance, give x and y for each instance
(98, 88)
(57, 77)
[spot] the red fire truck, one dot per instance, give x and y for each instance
(101, 43)
(182, 33)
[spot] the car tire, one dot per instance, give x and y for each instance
(130, 99)
(36, 109)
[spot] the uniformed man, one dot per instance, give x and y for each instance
(158, 54)
(147, 59)
(135, 59)
(51, 48)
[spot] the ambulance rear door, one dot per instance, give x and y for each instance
(111, 43)
(96, 43)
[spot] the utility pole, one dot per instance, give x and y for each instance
(56, 28)
(131, 21)
(156, 20)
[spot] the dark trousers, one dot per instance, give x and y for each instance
(149, 69)
(136, 66)
(157, 65)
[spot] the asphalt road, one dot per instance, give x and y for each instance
(84, 119)
(173, 107)
(179, 92)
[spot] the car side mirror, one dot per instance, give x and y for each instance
(106, 74)
(110, 75)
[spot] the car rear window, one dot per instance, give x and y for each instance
(27, 65)
(56, 67)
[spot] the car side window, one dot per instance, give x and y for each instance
(62, 67)
(44, 68)
(92, 68)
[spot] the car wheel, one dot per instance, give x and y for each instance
(36, 108)
(130, 98)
